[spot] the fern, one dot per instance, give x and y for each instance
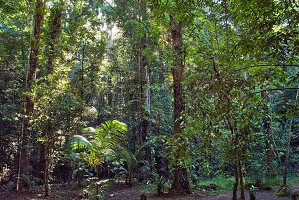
(103, 142)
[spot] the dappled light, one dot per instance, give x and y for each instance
(147, 99)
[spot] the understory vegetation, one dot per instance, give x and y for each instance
(172, 97)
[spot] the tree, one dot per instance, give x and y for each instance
(178, 15)
(35, 48)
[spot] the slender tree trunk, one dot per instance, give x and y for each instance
(82, 71)
(181, 183)
(269, 151)
(145, 128)
(46, 176)
(144, 81)
(56, 15)
(235, 196)
(236, 161)
(269, 160)
(241, 182)
(110, 95)
(177, 71)
(31, 80)
(285, 170)
(289, 130)
(109, 81)
(45, 151)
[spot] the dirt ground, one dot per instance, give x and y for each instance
(124, 192)
(132, 193)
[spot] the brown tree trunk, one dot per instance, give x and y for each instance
(56, 15)
(110, 95)
(31, 80)
(269, 151)
(236, 162)
(289, 130)
(142, 62)
(241, 182)
(181, 183)
(235, 196)
(269, 159)
(46, 177)
(45, 157)
(285, 170)
(143, 105)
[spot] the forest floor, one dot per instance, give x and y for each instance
(124, 192)
(121, 192)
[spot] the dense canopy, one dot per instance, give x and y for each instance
(173, 96)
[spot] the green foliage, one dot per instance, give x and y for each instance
(222, 184)
(103, 143)
(284, 191)
(179, 149)
(96, 189)
(239, 58)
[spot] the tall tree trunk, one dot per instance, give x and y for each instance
(143, 105)
(241, 182)
(235, 141)
(55, 29)
(181, 183)
(31, 80)
(144, 81)
(235, 196)
(46, 176)
(269, 150)
(289, 130)
(269, 159)
(285, 170)
(110, 95)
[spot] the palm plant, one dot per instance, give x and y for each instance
(102, 142)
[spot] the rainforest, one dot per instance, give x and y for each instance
(149, 99)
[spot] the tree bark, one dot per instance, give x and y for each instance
(55, 26)
(46, 177)
(144, 113)
(177, 71)
(269, 158)
(269, 151)
(289, 130)
(144, 81)
(31, 80)
(181, 183)
(235, 196)
(46, 149)
(241, 182)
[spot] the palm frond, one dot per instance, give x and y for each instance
(78, 142)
